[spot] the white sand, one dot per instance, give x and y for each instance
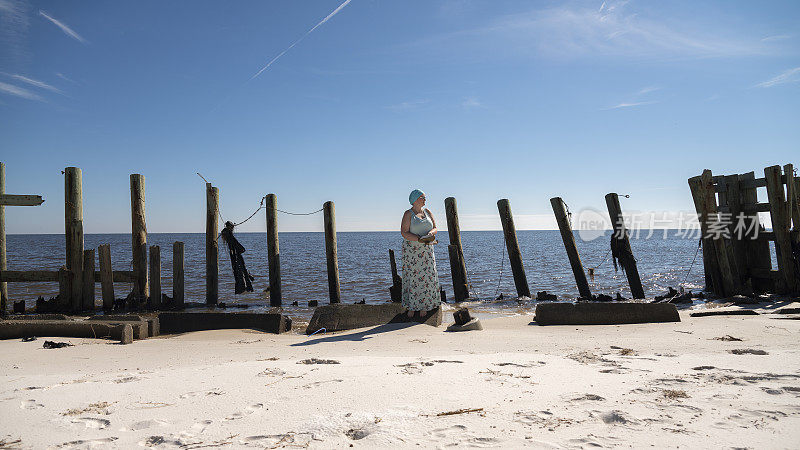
(563, 386)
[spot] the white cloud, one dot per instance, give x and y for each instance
(777, 37)
(37, 83)
(408, 105)
(64, 27)
(630, 105)
(471, 102)
(789, 76)
(17, 91)
(572, 31)
(14, 23)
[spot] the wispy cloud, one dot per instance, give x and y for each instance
(647, 90)
(471, 102)
(17, 91)
(327, 18)
(36, 83)
(64, 77)
(14, 23)
(630, 105)
(408, 105)
(789, 76)
(777, 37)
(64, 27)
(616, 29)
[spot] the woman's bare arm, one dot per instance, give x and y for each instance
(404, 227)
(434, 230)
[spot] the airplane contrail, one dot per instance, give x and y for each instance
(327, 18)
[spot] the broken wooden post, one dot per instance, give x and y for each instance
(793, 196)
(730, 196)
(73, 227)
(331, 252)
(729, 282)
(139, 238)
(780, 226)
(212, 245)
(177, 275)
(273, 251)
(64, 285)
(87, 303)
(623, 246)
(155, 277)
(458, 268)
(514, 255)
(3, 261)
(106, 276)
(396, 290)
(758, 258)
(569, 244)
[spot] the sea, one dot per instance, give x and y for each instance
(665, 258)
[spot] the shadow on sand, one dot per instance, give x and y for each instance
(358, 336)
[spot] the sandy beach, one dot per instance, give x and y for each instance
(724, 382)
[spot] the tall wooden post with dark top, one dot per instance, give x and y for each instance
(514, 255)
(273, 251)
(331, 252)
(569, 244)
(458, 268)
(178, 295)
(73, 232)
(212, 245)
(3, 260)
(139, 238)
(623, 245)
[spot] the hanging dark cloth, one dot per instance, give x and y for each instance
(235, 249)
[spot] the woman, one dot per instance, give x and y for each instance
(420, 281)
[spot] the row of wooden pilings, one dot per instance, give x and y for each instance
(458, 269)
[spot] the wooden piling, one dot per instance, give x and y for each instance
(623, 245)
(87, 303)
(155, 277)
(458, 268)
(729, 282)
(757, 251)
(178, 296)
(273, 251)
(331, 252)
(3, 260)
(106, 276)
(73, 232)
(139, 238)
(731, 197)
(64, 285)
(792, 195)
(212, 245)
(780, 226)
(514, 255)
(568, 237)
(396, 290)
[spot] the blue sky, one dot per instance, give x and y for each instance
(479, 100)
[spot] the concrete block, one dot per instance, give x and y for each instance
(339, 317)
(180, 322)
(590, 313)
(15, 329)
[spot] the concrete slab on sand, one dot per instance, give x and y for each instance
(592, 313)
(340, 317)
(180, 322)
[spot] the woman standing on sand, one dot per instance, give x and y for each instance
(420, 281)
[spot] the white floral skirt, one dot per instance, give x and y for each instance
(420, 280)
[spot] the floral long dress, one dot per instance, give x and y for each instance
(420, 280)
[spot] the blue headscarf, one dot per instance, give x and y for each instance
(414, 195)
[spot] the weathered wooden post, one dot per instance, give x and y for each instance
(758, 255)
(569, 244)
(88, 280)
(622, 245)
(458, 268)
(155, 277)
(331, 252)
(73, 227)
(139, 238)
(781, 219)
(730, 196)
(177, 275)
(273, 251)
(212, 245)
(396, 289)
(3, 260)
(106, 276)
(514, 255)
(729, 283)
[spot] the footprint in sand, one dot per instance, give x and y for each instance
(615, 417)
(299, 440)
(145, 424)
(92, 422)
(458, 434)
(126, 380)
(30, 404)
(88, 443)
(247, 411)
